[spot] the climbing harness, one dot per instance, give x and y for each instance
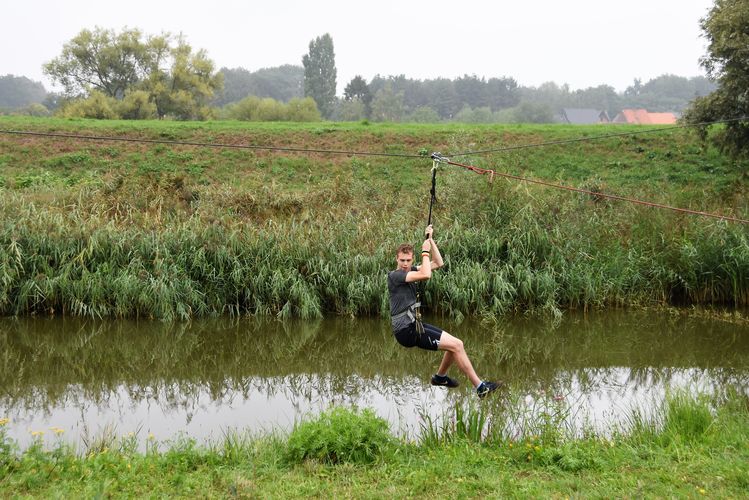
(413, 312)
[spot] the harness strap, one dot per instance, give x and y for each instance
(408, 312)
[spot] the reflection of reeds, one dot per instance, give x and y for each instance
(44, 361)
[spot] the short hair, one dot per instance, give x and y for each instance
(405, 248)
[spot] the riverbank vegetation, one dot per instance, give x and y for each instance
(689, 447)
(129, 229)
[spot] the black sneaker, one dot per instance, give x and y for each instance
(444, 381)
(485, 388)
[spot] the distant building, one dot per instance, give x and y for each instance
(643, 117)
(584, 116)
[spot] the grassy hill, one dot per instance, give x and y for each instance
(113, 228)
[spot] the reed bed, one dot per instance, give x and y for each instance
(55, 263)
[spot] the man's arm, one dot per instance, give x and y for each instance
(437, 261)
(424, 271)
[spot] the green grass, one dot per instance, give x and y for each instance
(667, 456)
(173, 232)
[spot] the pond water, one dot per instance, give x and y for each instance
(206, 378)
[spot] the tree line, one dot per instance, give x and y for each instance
(131, 75)
(467, 99)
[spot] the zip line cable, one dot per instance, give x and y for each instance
(594, 138)
(436, 157)
(587, 191)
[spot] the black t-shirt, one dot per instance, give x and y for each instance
(402, 296)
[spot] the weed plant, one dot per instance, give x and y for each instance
(340, 435)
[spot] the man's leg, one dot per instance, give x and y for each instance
(456, 353)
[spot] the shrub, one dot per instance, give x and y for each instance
(245, 110)
(252, 108)
(97, 105)
(270, 110)
(340, 435)
(137, 106)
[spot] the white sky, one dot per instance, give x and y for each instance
(580, 42)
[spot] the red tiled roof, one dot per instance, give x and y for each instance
(662, 118)
(642, 117)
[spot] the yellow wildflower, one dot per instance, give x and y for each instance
(4, 421)
(151, 436)
(37, 433)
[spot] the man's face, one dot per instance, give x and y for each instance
(405, 260)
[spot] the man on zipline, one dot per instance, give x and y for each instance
(408, 328)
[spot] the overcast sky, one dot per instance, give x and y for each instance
(580, 42)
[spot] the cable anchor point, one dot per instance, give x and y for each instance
(437, 158)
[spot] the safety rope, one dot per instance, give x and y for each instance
(593, 193)
(433, 191)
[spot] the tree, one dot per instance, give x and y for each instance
(726, 28)
(357, 89)
(186, 89)
(103, 60)
(502, 93)
(18, 92)
(281, 83)
(472, 91)
(531, 112)
(320, 74)
(350, 111)
(180, 82)
(443, 98)
(424, 114)
(387, 105)
(602, 97)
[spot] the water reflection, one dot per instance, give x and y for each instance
(204, 377)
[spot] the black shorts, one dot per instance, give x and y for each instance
(409, 337)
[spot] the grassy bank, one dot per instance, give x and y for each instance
(690, 447)
(172, 232)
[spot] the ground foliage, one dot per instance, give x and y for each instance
(113, 229)
(689, 447)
